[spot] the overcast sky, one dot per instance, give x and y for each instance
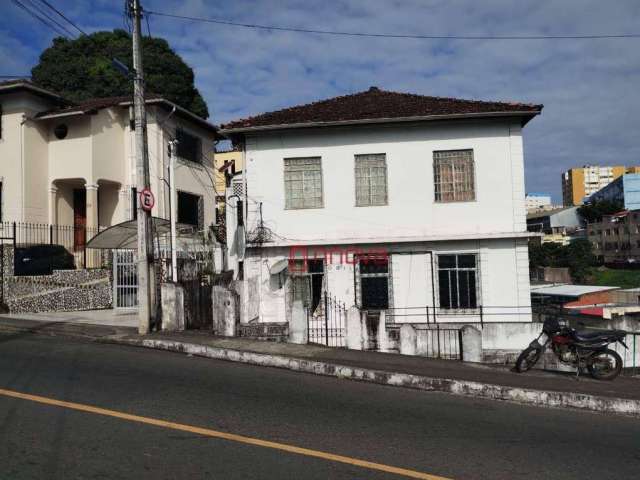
(590, 88)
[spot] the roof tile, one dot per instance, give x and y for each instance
(376, 104)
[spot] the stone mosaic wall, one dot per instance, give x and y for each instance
(63, 290)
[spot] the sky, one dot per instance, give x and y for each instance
(589, 88)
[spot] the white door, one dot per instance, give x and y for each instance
(412, 288)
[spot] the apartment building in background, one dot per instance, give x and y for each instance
(624, 190)
(578, 183)
(581, 182)
(534, 202)
(616, 238)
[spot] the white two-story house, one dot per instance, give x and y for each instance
(73, 165)
(408, 204)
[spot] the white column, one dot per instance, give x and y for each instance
(92, 208)
(125, 204)
(53, 205)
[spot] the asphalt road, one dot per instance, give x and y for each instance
(433, 433)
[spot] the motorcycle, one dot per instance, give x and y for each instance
(581, 349)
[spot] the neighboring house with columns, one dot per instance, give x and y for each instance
(74, 164)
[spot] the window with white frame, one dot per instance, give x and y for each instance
(371, 179)
(453, 175)
(458, 281)
(303, 182)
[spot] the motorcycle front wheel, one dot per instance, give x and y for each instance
(527, 359)
(604, 365)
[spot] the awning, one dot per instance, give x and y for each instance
(125, 235)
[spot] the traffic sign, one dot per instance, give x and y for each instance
(147, 200)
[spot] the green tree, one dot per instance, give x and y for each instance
(577, 256)
(593, 212)
(81, 69)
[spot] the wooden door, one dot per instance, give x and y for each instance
(79, 218)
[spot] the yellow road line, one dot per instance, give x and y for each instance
(223, 435)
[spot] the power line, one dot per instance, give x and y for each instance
(37, 8)
(63, 16)
(40, 18)
(389, 35)
(15, 76)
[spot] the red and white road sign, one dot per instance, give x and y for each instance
(147, 200)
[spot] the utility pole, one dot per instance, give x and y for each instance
(173, 144)
(146, 277)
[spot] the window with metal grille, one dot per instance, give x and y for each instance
(457, 281)
(189, 146)
(371, 179)
(303, 182)
(453, 175)
(238, 187)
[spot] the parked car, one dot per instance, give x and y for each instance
(42, 259)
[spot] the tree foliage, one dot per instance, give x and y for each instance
(81, 69)
(577, 256)
(593, 212)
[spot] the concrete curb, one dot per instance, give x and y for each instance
(524, 396)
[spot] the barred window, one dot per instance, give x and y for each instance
(457, 281)
(371, 180)
(303, 182)
(189, 146)
(454, 176)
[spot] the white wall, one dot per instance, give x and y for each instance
(23, 159)
(503, 278)
(411, 210)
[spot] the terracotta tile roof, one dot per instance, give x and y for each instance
(375, 105)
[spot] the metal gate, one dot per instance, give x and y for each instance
(326, 326)
(125, 279)
(198, 313)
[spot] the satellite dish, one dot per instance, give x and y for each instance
(279, 267)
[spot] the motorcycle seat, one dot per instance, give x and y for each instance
(598, 335)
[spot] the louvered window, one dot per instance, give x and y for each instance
(371, 179)
(303, 182)
(453, 174)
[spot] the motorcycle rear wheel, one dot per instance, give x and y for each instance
(604, 365)
(527, 359)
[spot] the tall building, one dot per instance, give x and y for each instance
(537, 201)
(624, 190)
(578, 183)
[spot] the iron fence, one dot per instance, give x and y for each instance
(72, 237)
(434, 315)
(441, 343)
(326, 326)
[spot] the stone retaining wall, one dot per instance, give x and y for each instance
(62, 291)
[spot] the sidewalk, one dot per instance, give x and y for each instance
(491, 382)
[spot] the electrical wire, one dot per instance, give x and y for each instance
(63, 16)
(391, 35)
(41, 19)
(38, 8)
